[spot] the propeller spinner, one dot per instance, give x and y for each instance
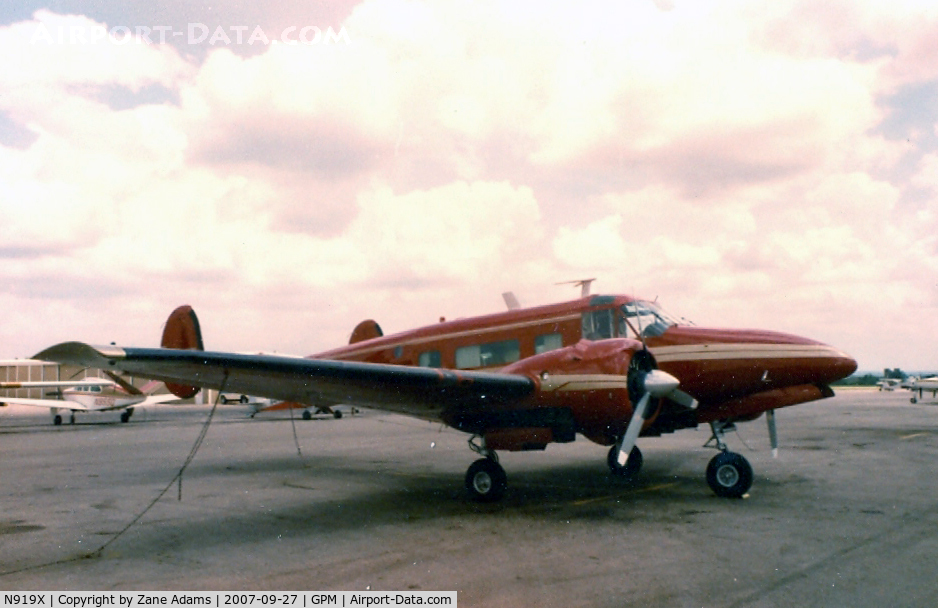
(654, 383)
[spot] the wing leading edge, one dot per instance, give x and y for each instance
(417, 391)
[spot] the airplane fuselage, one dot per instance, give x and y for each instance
(106, 398)
(732, 374)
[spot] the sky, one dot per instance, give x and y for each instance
(293, 169)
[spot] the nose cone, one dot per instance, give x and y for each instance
(839, 366)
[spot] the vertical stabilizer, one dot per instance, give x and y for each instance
(182, 331)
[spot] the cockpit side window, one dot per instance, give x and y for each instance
(645, 318)
(598, 325)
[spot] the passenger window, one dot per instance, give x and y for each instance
(487, 355)
(500, 353)
(547, 342)
(598, 325)
(469, 356)
(431, 358)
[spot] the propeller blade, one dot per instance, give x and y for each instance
(656, 384)
(634, 428)
(773, 432)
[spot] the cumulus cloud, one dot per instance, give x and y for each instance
(752, 164)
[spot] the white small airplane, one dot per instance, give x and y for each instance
(921, 385)
(888, 384)
(90, 395)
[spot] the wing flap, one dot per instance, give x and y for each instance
(417, 391)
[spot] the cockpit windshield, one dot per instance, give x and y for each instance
(645, 317)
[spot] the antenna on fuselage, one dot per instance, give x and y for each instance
(511, 301)
(583, 284)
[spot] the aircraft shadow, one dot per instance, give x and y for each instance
(388, 497)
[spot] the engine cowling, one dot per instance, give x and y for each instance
(594, 381)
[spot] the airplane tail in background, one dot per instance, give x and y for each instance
(182, 331)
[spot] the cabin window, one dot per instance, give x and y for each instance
(487, 355)
(95, 389)
(431, 358)
(547, 342)
(598, 325)
(398, 352)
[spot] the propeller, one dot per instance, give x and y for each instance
(653, 383)
(773, 432)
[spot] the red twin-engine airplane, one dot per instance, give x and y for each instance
(607, 367)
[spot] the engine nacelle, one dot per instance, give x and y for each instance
(594, 381)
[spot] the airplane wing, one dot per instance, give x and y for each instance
(54, 384)
(47, 403)
(417, 391)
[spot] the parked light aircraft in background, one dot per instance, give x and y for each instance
(888, 384)
(920, 385)
(610, 368)
(89, 395)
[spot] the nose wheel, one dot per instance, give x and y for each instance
(729, 474)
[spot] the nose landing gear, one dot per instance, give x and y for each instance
(729, 475)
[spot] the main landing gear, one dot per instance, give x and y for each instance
(631, 467)
(307, 415)
(126, 414)
(486, 480)
(57, 417)
(729, 475)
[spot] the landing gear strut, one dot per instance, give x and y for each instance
(729, 475)
(486, 480)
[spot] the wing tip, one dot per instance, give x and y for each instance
(79, 353)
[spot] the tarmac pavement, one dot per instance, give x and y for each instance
(846, 516)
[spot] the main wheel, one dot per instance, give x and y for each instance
(307, 415)
(632, 465)
(729, 475)
(57, 420)
(125, 416)
(337, 414)
(486, 480)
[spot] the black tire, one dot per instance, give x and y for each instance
(307, 415)
(57, 420)
(337, 414)
(729, 475)
(632, 466)
(243, 399)
(125, 416)
(486, 480)
(913, 400)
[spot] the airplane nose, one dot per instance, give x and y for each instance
(839, 366)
